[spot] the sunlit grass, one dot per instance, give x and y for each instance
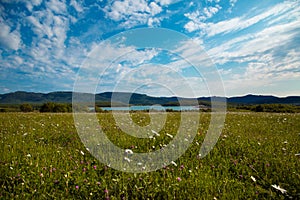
(42, 157)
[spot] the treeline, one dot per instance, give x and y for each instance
(273, 108)
(67, 107)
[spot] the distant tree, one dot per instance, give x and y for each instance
(47, 107)
(259, 108)
(26, 107)
(60, 108)
(56, 107)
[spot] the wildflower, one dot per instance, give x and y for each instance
(98, 183)
(11, 168)
(52, 170)
(153, 131)
(128, 151)
(297, 154)
(84, 169)
(77, 187)
(178, 179)
(277, 187)
(285, 142)
(41, 175)
(169, 135)
(28, 155)
(253, 179)
(172, 162)
(127, 159)
(95, 167)
(82, 153)
(181, 167)
(106, 191)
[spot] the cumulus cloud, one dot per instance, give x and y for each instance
(134, 12)
(77, 6)
(9, 39)
(57, 6)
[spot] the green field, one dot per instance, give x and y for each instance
(42, 157)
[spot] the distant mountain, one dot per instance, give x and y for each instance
(121, 98)
(262, 99)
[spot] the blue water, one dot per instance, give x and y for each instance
(158, 108)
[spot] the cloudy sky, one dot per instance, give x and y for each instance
(252, 45)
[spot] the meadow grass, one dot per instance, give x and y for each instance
(42, 157)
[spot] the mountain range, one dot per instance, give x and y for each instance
(121, 98)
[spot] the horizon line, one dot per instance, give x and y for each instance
(241, 95)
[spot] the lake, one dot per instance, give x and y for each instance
(155, 107)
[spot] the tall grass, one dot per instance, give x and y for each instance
(42, 157)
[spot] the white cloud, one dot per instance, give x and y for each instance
(164, 2)
(77, 6)
(9, 39)
(133, 12)
(57, 6)
(211, 11)
(238, 23)
(251, 46)
(198, 17)
(31, 4)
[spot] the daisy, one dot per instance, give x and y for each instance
(253, 179)
(279, 188)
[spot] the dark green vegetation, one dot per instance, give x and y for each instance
(121, 99)
(43, 158)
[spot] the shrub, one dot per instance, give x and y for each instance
(26, 107)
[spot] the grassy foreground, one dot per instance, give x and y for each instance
(42, 157)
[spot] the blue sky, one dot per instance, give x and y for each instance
(253, 46)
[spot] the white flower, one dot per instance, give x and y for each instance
(171, 136)
(128, 151)
(28, 155)
(127, 159)
(82, 153)
(156, 133)
(172, 162)
(253, 179)
(297, 154)
(279, 188)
